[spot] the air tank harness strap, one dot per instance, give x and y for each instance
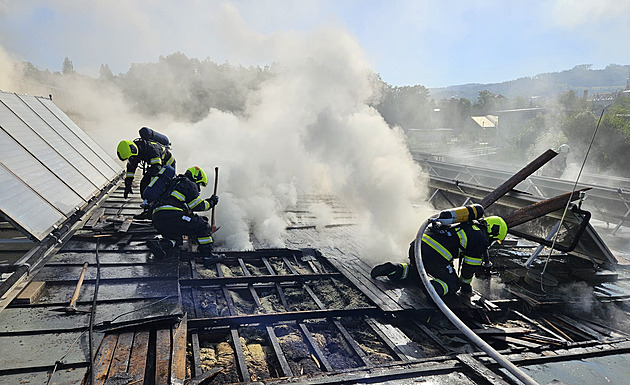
(437, 247)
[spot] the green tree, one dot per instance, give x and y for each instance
(67, 67)
(105, 73)
(488, 102)
(611, 147)
(408, 107)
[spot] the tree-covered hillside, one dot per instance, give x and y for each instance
(186, 89)
(579, 78)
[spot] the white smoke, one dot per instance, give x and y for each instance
(307, 129)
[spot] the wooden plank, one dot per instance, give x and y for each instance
(162, 356)
(391, 345)
(252, 291)
(410, 349)
(412, 299)
(205, 377)
(120, 359)
(124, 240)
(125, 225)
(226, 293)
(96, 215)
(542, 327)
(241, 362)
(587, 332)
(138, 360)
(196, 354)
(481, 370)
(321, 359)
(517, 341)
(353, 344)
(368, 288)
(178, 361)
(103, 358)
(539, 209)
(283, 298)
(517, 178)
(282, 360)
(492, 331)
(433, 336)
(31, 293)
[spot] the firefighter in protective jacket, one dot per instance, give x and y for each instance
(441, 244)
(151, 155)
(174, 215)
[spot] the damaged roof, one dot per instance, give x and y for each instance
(90, 303)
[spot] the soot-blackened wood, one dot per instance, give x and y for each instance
(138, 360)
(241, 361)
(162, 356)
(541, 208)
(103, 358)
(122, 354)
(518, 178)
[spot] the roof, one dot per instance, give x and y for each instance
(488, 121)
(307, 313)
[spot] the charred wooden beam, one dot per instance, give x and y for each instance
(162, 356)
(178, 356)
(138, 359)
(241, 361)
(322, 361)
(222, 280)
(280, 317)
(518, 178)
(282, 360)
(196, 354)
(481, 370)
(541, 208)
(353, 344)
(103, 358)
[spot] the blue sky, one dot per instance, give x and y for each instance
(433, 43)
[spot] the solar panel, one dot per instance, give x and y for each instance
(49, 168)
(97, 156)
(59, 137)
(23, 207)
(25, 127)
(29, 160)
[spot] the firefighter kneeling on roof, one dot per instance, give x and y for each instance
(446, 240)
(173, 216)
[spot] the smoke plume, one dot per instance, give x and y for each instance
(308, 129)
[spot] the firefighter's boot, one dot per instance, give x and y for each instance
(395, 272)
(156, 248)
(209, 258)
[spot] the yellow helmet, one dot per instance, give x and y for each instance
(126, 149)
(497, 228)
(197, 175)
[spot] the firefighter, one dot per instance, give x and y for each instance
(150, 155)
(443, 243)
(174, 216)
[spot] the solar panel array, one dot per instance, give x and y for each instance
(49, 167)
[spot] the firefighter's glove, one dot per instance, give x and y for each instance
(213, 201)
(128, 187)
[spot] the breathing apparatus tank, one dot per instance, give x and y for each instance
(148, 134)
(460, 214)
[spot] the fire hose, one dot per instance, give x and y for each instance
(474, 338)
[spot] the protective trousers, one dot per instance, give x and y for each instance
(172, 224)
(445, 280)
